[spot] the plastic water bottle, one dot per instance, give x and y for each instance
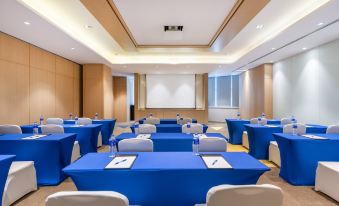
(112, 146)
(263, 115)
(238, 115)
(41, 120)
(293, 120)
(35, 128)
(136, 128)
(70, 116)
(150, 115)
(96, 116)
(178, 115)
(259, 121)
(196, 145)
(76, 119)
(294, 128)
(188, 124)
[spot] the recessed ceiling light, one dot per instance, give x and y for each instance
(72, 48)
(88, 26)
(273, 48)
(271, 61)
(304, 48)
(259, 26)
(320, 23)
(27, 23)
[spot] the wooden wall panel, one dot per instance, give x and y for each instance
(256, 92)
(30, 85)
(108, 93)
(120, 98)
(76, 89)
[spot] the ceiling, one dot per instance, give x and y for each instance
(58, 26)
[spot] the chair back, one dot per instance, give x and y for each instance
(263, 121)
(244, 195)
(194, 128)
(285, 121)
(10, 129)
(332, 129)
(301, 129)
(146, 129)
(212, 144)
(52, 129)
(135, 145)
(87, 198)
(58, 121)
(184, 120)
(254, 121)
(84, 121)
(152, 120)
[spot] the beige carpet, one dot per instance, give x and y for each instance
(293, 196)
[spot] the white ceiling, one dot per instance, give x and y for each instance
(201, 19)
(48, 35)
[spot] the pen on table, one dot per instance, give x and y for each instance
(215, 161)
(124, 160)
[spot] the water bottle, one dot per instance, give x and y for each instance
(112, 146)
(150, 115)
(188, 125)
(238, 115)
(178, 115)
(196, 145)
(70, 116)
(294, 128)
(41, 119)
(96, 116)
(35, 128)
(263, 115)
(293, 120)
(76, 119)
(136, 128)
(259, 121)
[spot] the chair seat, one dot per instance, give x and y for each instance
(327, 179)
(21, 180)
(274, 153)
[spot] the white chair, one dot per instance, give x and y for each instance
(87, 198)
(212, 144)
(10, 129)
(195, 128)
(21, 180)
(152, 120)
(254, 121)
(58, 129)
(244, 195)
(146, 129)
(327, 179)
(135, 145)
(184, 120)
(57, 121)
(274, 153)
(285, 121)
(84, 121)
(245, 142)
(263, 121)
(301, 129)
(52, 129)
(332, 129)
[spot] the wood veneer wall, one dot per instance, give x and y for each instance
(34, 82)
(120, 98)
(200, 114)
(256, 92)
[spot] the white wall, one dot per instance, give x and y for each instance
(307, 86)
(220, 114)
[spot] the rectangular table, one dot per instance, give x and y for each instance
(166, 142)
(170, 128)
(300, 156)
(167, 121)
(163, 178)
(87, 135)
(5, 164)
(236, 128)
(259, 137)
(50, 154)
(106, 129)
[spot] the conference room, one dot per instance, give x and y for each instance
(169, 103)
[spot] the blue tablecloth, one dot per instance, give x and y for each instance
(50, 154)
(300, 156)
(259, 137)
(167, 121)
(171, 128)
(5, 164)
(170, 142)
(236, 128)
(106, 129)
(87, 135)
(163, 178)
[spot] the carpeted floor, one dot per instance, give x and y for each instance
(293, 196)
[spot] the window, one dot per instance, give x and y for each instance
(223, 91)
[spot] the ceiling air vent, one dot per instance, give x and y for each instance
(173, 28)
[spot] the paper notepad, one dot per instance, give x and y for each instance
(268, 125)
(313, 136)
(122, 162)
(215, 162)
(199, 135)
(144, 136)
(35, 136)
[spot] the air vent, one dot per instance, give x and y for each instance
(173, 28)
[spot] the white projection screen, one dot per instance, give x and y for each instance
(170, 91)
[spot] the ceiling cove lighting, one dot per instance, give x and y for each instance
(320, 23)
(259, 26)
